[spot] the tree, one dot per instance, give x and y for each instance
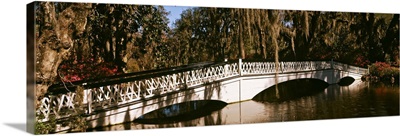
(57, 29)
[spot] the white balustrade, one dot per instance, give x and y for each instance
(349, 68)
(115, 94)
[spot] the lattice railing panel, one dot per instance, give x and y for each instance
(57, 105)
(252, 68)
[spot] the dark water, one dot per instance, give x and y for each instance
(181, 112)
(360, 99)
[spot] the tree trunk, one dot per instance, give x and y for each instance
(56, 41)
(370, 41)
(240, 40)
(261, 34)
(389, 42)
(275, 43)
(274, 28)
(263, 48)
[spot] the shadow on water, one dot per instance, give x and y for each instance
(181, 112)
(346, 81)
(291, 90)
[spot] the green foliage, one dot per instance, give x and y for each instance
(213, 33)
(117, 33)
(132, 66)
(45, 127)
(102, 49)
(78, 123)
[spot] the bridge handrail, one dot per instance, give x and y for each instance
(119, 89)
(251, 68)
(124, 90)
(60, 88)
(349, 68)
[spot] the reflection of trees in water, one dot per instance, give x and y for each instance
(356, 100)
(213, 119)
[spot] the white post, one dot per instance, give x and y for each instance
(225, 68)
(88, 100)
(240, 67)
(240, 79)
(186, 76)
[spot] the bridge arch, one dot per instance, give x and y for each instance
(135, 111)
(183, 111)
(345, 81)
(291, 89)
(251, 86)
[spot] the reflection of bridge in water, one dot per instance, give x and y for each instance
(124, 98)
(249, 111)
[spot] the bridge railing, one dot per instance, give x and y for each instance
(349, 68)
(118, 90)
(101, 95)
(254, 68)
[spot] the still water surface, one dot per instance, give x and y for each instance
(360, 99)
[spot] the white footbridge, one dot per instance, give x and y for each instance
(123, 99)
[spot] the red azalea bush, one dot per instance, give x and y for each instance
(73, 70)
(361, 61)
(384, 71)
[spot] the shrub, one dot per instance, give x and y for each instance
(361, 61)
(45, 127)
(384, 71)
(73, 70)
